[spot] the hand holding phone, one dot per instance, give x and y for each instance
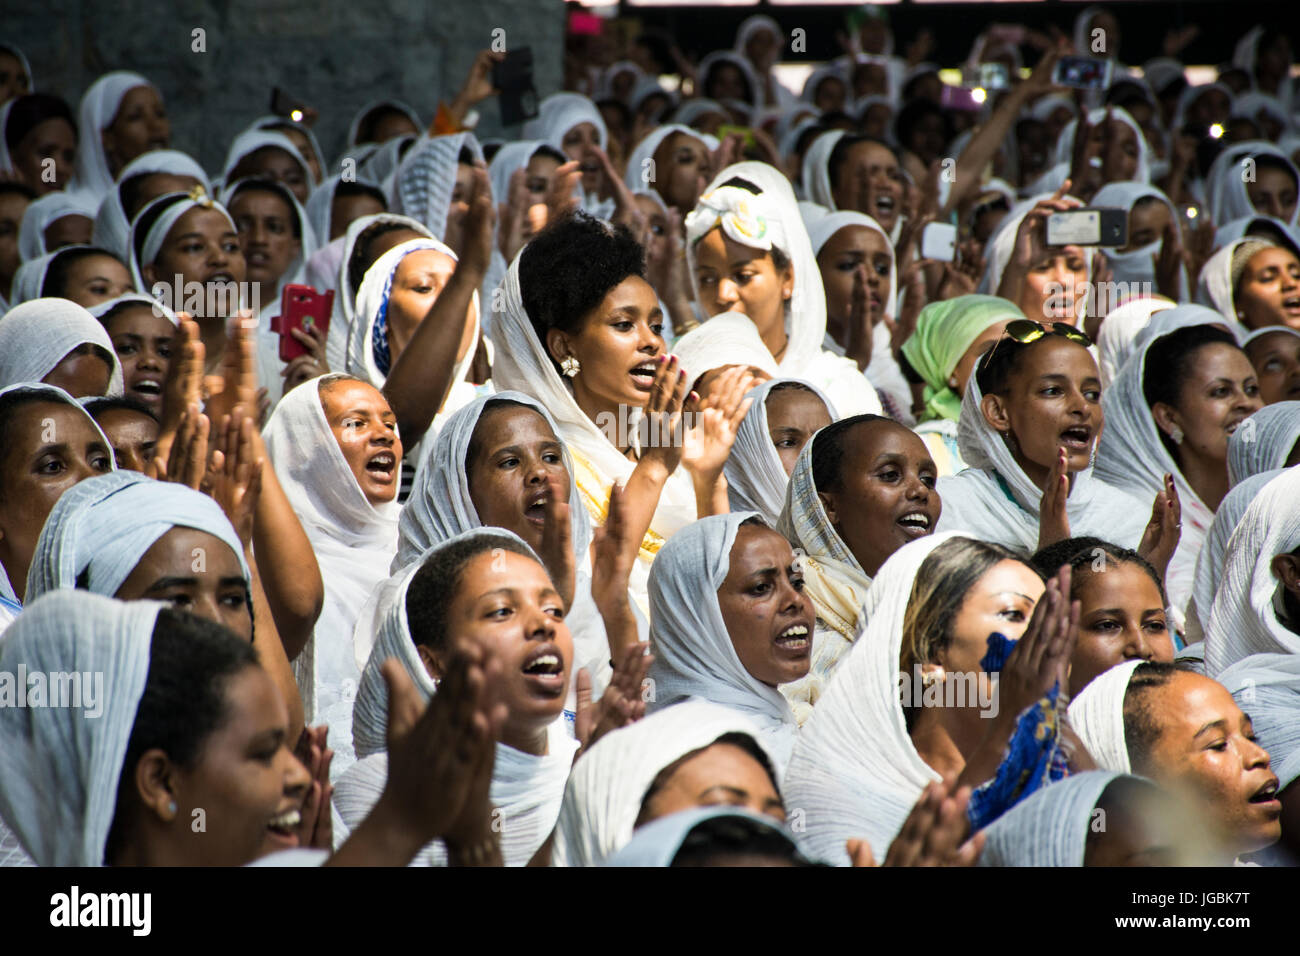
(939, 241)
(1088, 227)
(302, 308)
(1083, 72)
(513, 77)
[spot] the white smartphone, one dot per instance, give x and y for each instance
(1088, 227)
(939, 241)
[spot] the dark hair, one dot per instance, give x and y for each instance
(1169, 362)
(1269, 161)
(434, 585)
(21, 189)
(911, 116)
(492, 405)
(706, 81)
(361, 260)
(129, 189)
(1125, 93)
(366, 128)
(191, 659)
(278, 191)
(1141, 729)
(840, 152)
(346, 189)
(829, 446)
(550, 152)
(55, 283)
(734, 836)
(789, 386)
(11, 403)
(1080, 553)
(570, 266)
(619, 107)
(735, 738)
(145, 219)
(466, 156)
(111, 403)
(996, 366)
(31, 110)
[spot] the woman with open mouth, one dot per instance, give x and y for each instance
(856, 173)
(1030, 420)
(143, 333)
(730, 622)
(1185, 732)
(1170, 413)
(335, 448)
(571, 123)
(861, 489)
(749, 252)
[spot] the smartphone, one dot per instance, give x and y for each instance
(939, 241)
(301, 307)
(1088, 227)
(283, 104)
(744, 132)
(1083, 72)
(961, 98)
(986, 76)
(513, 78)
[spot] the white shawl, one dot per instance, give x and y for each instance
(641, 170)
(756, 478)
(524, 365)
(994, 500)
(251, 140)
(1267, 688)
(1097, 716)
(1264, 441)
(60, 767)
(144, 250)
(99, 106)
(556, 115)
(694, 654)
(609, 782)
(1049, 827)
(426, 178)
(1244, 619)
(855, 772)
(728, 338)
(37, 335)
(1228, 198)
(1120, 330)
(353, 540)
(44, 212)
(112, 229)
(354, 128)
(816, 178)
(102, 527)
(1136, 268)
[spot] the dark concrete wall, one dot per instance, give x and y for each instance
(334, 55)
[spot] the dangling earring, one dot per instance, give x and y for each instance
(570, 366)
(1176, 434)
(930, 678)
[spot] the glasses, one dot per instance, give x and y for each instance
(1025, 331)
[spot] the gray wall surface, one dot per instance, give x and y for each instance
(334, 55)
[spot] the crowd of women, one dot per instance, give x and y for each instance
(652, 496)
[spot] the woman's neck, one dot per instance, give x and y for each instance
(1208, 478)
(935, 742)
(775, 339)
(1036, 472)
(526, 738)
(212, 334)
(612, 419)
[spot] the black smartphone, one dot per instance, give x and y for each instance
(513, 77)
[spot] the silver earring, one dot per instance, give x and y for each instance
(1177, 435)
(570, 366)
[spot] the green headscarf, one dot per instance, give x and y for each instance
(944, 331)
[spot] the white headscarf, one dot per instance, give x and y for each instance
(49, 393)
(609, 782)
(59, 768)
(102, 527)
(1097, 716)
(855, 771)
(112, 228)
(250, 141)
(525, 788)
(354, 128)
(756, 478)
(37, 335)
(372, 302)
(556, 115)
(1244, 619)
(816, 179)
(1051, 180)
(728, 338)
(1137, 267)
(637, 167)
(278, 124)
(1132, 456)
(1267, 687)
(149, 245)
(994, 500)
(1226, 184)
(44, 212)
(30, 278)
(320, 207)
(772, 220)
(426, 178)
(102, 309)
(353, 540)
(1212, 557)
(1050, 827)
(694, 654)
(740, 62)
(524, 365)
(1120, 330)
(1264, 441)
(694, 108)
(99, 107)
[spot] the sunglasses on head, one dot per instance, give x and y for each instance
(1025, 331)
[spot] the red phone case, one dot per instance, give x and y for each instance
(301, 307)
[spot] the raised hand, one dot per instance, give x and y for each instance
(1053, 519)
(184, 385)
(187, 457)
(1160, 539)
(234, 477)
(1031, 240)
(556, 549)
(623, 701)
(561, 195)
(304, 368)
(1169, 262)
(614, 548)
(626, 211)
(1042, 655)
(238, 380)
(315, 828)
(860, 333)
(935, 832)
(513, 215)
(708, 443)
(667, 394)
